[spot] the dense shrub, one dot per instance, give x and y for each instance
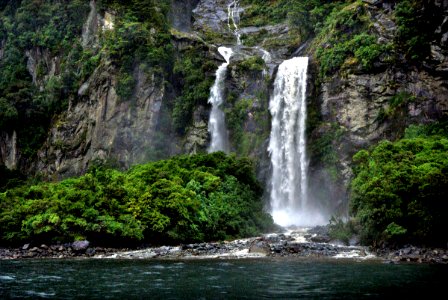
(399, 191)
(191, 73)
(184, 199)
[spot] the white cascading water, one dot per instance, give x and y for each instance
(217, 122)
(233, 19)
(287, 147)
(267, 59)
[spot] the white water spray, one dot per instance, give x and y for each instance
(233, 19)
(287, 147)
(217, 124)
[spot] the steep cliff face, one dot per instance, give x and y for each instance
(180, 14)
(151, 110)
(103, 127)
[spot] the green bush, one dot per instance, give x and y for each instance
(341, 230)
(190, 72)
(184, 199)
(253, 63)
(399, 190)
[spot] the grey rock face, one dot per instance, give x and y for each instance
(2, 48)
(181, 14)
(91, 27)
(38, 57)
(9, 153)
(212, 15)
(103, 126)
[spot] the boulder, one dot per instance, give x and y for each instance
(260, 246)
(80, 245)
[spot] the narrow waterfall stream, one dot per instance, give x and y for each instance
(287, 147)
(233, 19)
(217, 124)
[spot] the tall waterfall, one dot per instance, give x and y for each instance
(287, 147)
(217, 124)
(233, 19)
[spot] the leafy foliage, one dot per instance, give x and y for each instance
(344, 41)
(343, 231)
(190, 72)
(398, 193)
(184, 199)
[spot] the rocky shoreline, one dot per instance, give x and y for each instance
(306, 243)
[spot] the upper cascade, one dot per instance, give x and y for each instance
(233, 19)
(217, 124)
(287, 147)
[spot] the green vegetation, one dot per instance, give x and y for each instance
(399, 190)
(252, 63)
(343, 231)
(184, 199)
(140, 36)
(414, 29)
(304, 18)
(44, 37)
(344, 41)
(190, 71)
(43, 29)
(305, 15)
(397, 109)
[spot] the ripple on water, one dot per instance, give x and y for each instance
(50, 277)
(40, 294)
(151, 273)
(213, 277)
(161, 267)
(6, 277)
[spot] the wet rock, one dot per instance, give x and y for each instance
(354, 241)
(80, 245)
(26, 246)
(260, 246)
(320, 239)
(295, 247)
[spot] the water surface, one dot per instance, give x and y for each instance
(216, 279)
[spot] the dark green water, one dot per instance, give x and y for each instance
(217, 279)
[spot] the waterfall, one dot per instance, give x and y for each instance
(90, 27)
(267, 59)
(287, 147)
(233, 19)
(216, 124)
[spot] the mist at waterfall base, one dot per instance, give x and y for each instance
(289, 198)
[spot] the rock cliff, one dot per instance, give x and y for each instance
(350, 109)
